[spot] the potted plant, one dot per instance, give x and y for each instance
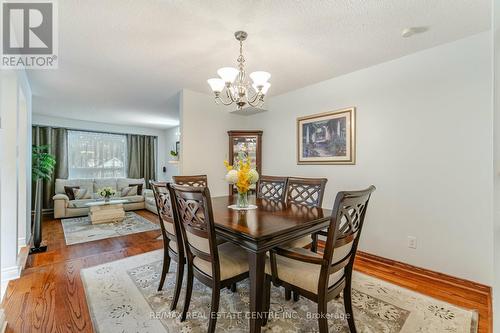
(106, 193)
(43, 164)
(174, 154)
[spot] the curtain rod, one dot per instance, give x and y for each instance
(90, 131)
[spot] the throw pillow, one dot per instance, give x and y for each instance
(69, 190)
(81, 193)
(130, 191)
(139, 188)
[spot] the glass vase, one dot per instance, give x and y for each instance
(242, 200)
(106, 198)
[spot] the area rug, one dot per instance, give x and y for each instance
(80, 229)
(122, 297)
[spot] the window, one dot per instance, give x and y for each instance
(96, 155)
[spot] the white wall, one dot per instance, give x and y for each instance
(204, 138)
(424, 138)
(24, 159)
(112, 128)
(172, 135)
(496, 170)
(15, 170)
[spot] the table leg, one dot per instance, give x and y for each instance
(256, 263)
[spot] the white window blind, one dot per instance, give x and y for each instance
(96, 155)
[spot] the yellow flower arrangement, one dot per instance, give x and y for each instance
(242, 176)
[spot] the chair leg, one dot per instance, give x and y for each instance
(288, 294)
(296, 296)
(267, 300)
(322, 316)
(348, 306)
(214, 309)
(189, 289)
(178, 285)
(233, 287)
(314, 244)
(166, 267)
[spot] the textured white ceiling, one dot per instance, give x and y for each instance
(122, 61)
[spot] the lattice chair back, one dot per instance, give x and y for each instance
(193, 207)
(306, 191)
(195, 181)
(170, 230)
(344, 231)
(272, 188)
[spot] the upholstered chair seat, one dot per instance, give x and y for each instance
(173, 246)
(233, 261)
(306, 275)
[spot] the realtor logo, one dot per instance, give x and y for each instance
(29, 38)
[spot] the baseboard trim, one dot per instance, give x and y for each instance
(10, 273)
(456, 281)
(442, 277)
(3, 321)
(21, 242)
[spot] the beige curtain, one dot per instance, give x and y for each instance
(141, 157)
(57, 139)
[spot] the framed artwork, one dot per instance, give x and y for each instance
(327, 138)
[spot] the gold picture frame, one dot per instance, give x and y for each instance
(327, 138)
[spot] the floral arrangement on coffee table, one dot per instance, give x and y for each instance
(106, 193)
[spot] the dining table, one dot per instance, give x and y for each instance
(271, 224)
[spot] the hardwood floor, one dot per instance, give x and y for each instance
(49, 296)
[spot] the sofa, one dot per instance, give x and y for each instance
(64, 207)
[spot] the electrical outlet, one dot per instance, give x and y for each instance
(412, 242)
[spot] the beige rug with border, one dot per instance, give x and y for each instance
(81, 230)
(122, 297)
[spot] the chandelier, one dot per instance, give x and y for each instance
(233, 83)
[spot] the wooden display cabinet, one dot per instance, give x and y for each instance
(252, 140)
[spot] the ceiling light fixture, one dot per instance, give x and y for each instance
(234, 82)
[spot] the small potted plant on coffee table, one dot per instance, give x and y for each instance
(106, 193)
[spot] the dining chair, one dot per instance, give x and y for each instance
(197, 181)
(308, 192)
(322, 278)
(215, 265)
(272, 188)
(172, 239)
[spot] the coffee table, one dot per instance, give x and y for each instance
(106, 211)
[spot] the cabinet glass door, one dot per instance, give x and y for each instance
(248, 145)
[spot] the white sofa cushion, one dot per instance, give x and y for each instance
(124, 182)
(79, 203)
(104, 182)
(133, 198)
(87, 184)
(129, 191)
(82, 193)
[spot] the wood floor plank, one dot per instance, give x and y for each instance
(49, 296)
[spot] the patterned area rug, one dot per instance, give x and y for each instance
(122, 297)
(80, 230)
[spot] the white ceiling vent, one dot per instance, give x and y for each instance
(248, 111)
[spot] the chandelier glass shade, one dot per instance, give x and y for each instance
(233, 86)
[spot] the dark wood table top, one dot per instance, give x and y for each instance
(271, 224)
